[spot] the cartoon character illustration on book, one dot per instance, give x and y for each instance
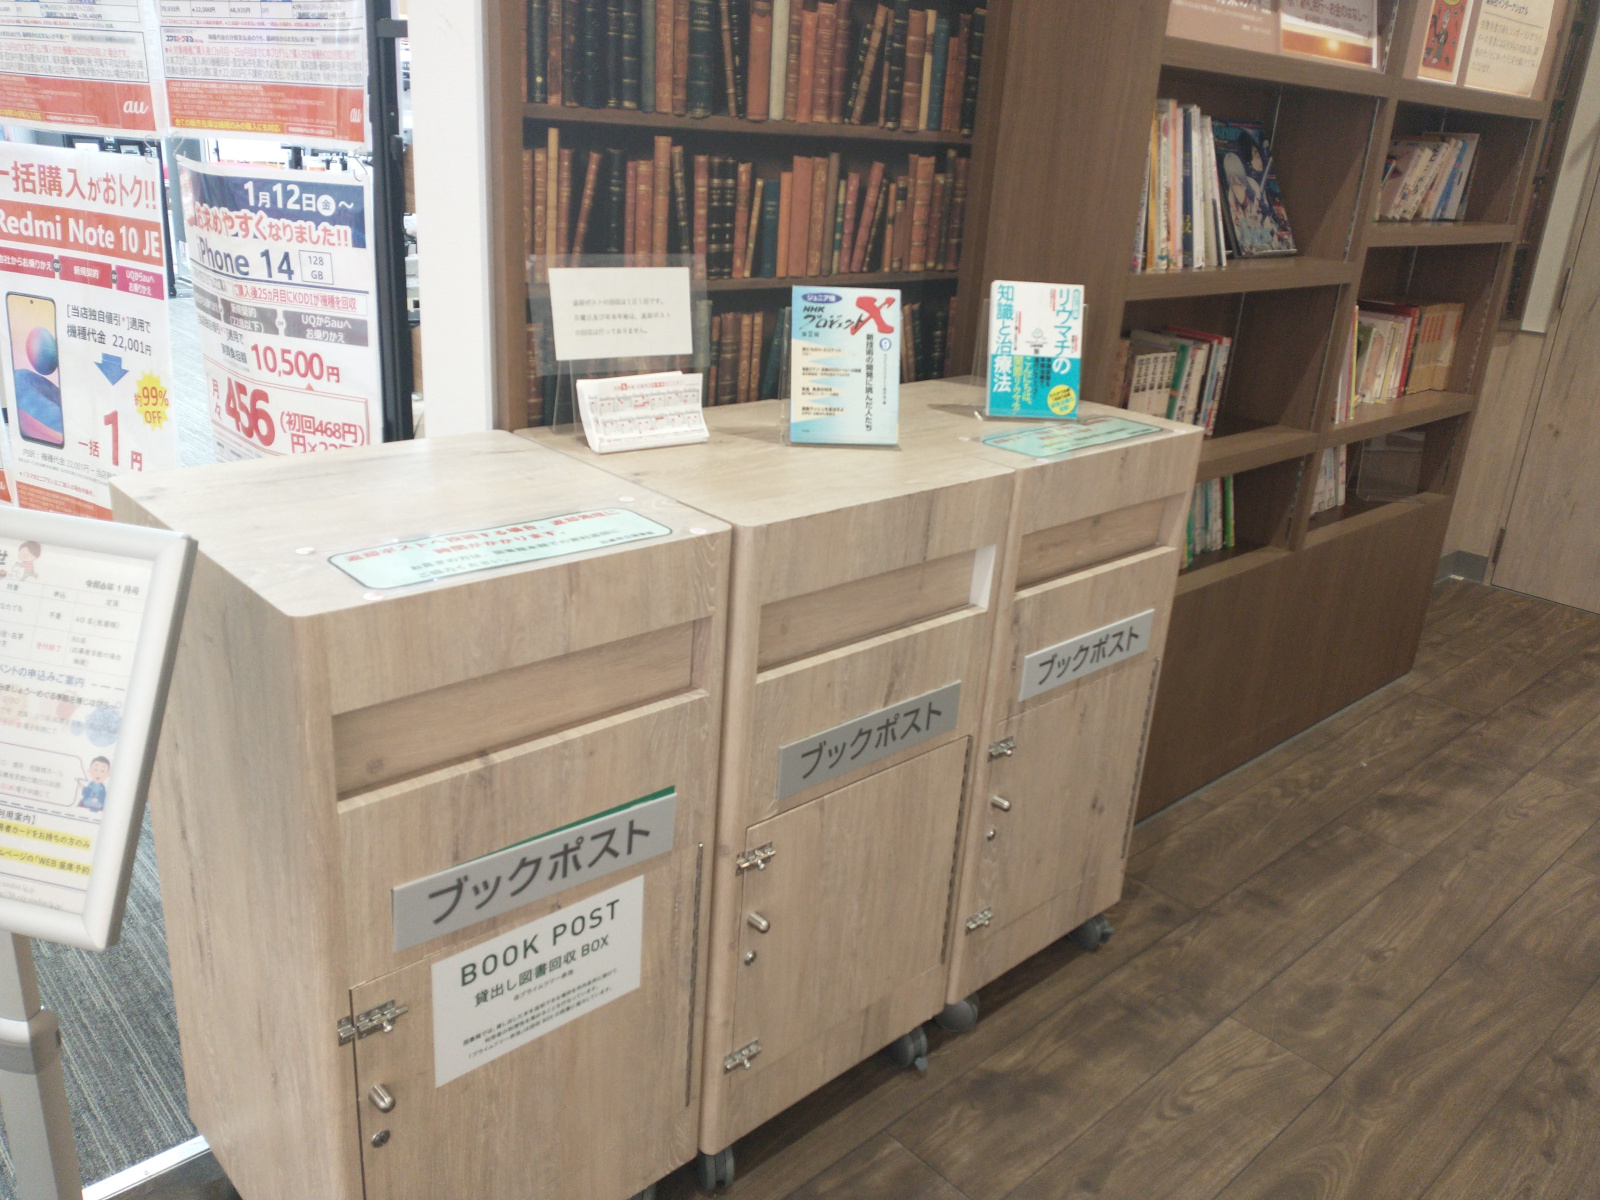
(93, 794)
(1256, 216)
(27, 555)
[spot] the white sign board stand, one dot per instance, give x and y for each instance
(89, 619)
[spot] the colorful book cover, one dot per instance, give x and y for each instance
(1441, 45)
(844, 372)
(1035, 349)
(1341, 31)
(1252, 202)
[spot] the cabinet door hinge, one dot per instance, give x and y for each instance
(1499, 544)
(979, 919)
(1004, 748)
(374, 1020)
(756, 858)
(742, 1056)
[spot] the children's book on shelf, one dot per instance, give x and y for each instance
(1255, 219)
(1426, 177)
(1444, 40)
(1341, 31)
(911, 67)
(1397, 348)
(844, 369)
(1177, 373)
(1181, 224)
(1210, 525)
(1247, 24)
(1330, 487)
(1035, 349)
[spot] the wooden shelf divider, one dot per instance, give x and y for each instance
(627, 118)
(1236, 452)
(1243, 275)
(1391, 416)
(1440, 233)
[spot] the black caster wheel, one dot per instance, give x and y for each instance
(1092, 934)
(959, 1017)
(648, 1194)
(714, 1171)
(909, 1050)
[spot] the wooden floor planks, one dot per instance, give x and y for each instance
(1364, 966)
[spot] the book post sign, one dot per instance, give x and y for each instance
(85, 352)
(83, 65)
(1035, 349)
(844, 367)
(286, 70)
(283, 287)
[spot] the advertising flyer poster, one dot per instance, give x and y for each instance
(283, 285)
(85, 351)
(287, 70)
(69, 625)
(1508, 47)
(1341, 31)
(1035, 349)
(82, 65)
(844, 381)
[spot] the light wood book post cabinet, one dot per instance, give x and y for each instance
(324, 744)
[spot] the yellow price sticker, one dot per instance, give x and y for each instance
(151, 401)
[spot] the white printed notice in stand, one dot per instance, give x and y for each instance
(89, 613)
(504, 993)
(638, 412)
(283, 287)
(86, 355)
(620, 312)
(82, 66)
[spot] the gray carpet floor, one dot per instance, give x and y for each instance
(119, 1033)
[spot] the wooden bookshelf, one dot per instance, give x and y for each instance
(1305, 615)
(521, 125)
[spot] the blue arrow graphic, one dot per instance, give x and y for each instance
(111, 367)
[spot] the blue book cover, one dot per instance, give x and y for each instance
(769, 231)
(844, 367)
(1035, 349)
(941, 50)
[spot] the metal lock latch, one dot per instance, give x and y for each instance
(375, 1020)
(756, 858)
(382, 1098)
(1004, 748)
(759, 923)
(1001, 803)
(742, 1056)
(979, 919)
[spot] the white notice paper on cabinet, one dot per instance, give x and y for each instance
(620, 312)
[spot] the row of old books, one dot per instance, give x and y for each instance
(1425, 177)
(1210, 193)
(1210, 526)
(1398, 347)
(816, 219)
(896, 64)
(1176, 373)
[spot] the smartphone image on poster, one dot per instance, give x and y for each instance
(36, 368)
